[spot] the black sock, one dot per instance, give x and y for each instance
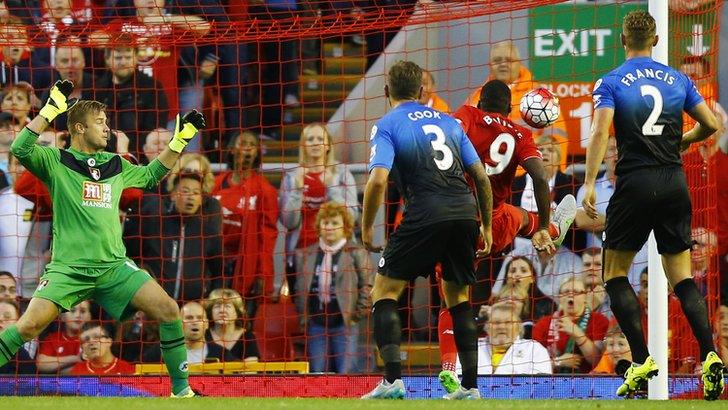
(388, 335)
(627, 311)
(693, 305)
(466, 340)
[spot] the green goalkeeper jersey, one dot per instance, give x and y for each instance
(85, 190)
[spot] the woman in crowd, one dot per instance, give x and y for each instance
(317, 179)
(16, 100)
(573, 334)
(231, 341)
(335, 279)
(521, 272)
(250, 213)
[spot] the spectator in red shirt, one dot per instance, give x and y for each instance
(574, 334)
(250, 213)
(96, 353)
(61, 350)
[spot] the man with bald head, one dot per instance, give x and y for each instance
(194, 325)
(155, 142)
(70, 64)
(506, 64)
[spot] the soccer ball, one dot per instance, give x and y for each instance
(539, 108)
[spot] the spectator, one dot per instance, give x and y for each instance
(136, 102)
(317, 179)
(335, 279)
(229, 338)
(23, 362)
(505, 64)
(520, 272)
(70, 64)
(574, 334)
(7, 135)
(616, 349)
(137, 339)
(177, 242)
(59, 20)
(591, 275)
(196, 164)
(97, 356)
(721, 329)
(560, 184)
(195, 325)
(17, 100)
(160, 36)
(504, 352)
(250, 215)
(704, 247)
(61, 350)
(8, 287)
(429, 96)
(516, 296)
(550, 270)
(15, 223)
(154, 143)
(18, 61)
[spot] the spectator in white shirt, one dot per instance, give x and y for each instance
(504, 352)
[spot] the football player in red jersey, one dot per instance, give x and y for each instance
(502, 146)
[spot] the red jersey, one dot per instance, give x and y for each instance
(249, 217)
(58, 344)
(314, 195)
(117, 366)
(501, 144)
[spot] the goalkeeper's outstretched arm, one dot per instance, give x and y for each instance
(184, 130)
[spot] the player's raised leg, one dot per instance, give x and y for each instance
(38, 316)
(154, 301)
(627, 311)
(677, 269)
(388, 335)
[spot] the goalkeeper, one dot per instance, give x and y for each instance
(88, 257)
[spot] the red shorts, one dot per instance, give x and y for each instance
(507, 220)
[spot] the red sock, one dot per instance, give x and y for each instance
(533, 222)
(448, 350)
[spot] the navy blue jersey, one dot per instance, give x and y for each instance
(648, 99)
(427, 152)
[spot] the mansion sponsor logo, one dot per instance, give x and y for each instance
(96, 195)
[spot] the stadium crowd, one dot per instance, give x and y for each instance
(209, 238)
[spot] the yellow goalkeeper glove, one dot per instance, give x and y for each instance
(58, 101)
(185, 129)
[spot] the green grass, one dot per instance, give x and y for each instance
(211, 403)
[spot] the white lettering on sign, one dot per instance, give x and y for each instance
(570, 42)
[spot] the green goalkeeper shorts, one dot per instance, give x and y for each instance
(111, 287)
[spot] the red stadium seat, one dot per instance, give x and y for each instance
(275, 325)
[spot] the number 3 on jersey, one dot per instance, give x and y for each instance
(438, 144)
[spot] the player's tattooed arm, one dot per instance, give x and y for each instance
(485, 203)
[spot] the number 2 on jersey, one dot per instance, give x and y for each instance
(650, 127)
(438, 144)
(501, 160)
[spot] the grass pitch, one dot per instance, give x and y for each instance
(212, 403)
